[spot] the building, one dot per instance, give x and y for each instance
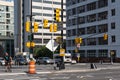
(41, 9)
(6, 27)
(90, 20)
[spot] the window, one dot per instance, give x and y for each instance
(91, 41)
(91, 6)
(102, 3)
(81, 20)
(113, 25)
(73, 11)
(91, 29)
(91, 18)
(91, 53)
(81, 9)
(112, 1)
(113, 39)
(101, 41)
(102, 28)
(102, 15)
(103, 53)
(113, 12)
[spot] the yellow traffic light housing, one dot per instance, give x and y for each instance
(77, 40)
(30, 44)
(27, 26)
(35, 27)
(45, 23)
(80, 40)
(105, 36)
(57, 14)
(53, 27)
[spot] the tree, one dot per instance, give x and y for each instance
(42, 52)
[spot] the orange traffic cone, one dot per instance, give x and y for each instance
(32, 67)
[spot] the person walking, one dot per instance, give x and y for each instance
(7, 59)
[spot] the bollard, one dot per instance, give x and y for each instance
(93, 66)
(32, 67)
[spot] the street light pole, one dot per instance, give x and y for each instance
(31, 34)
(61, 45)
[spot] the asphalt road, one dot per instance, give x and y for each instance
(72, 72)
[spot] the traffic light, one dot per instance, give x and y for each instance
(30, 44)
(77, 40)
(80, 40)
(27, 26)
(59, 39)
(105, 36)
(35, 27)
(45, 23)
(53, 27)
(57, 15)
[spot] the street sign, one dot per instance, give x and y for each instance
(52, 45)
(62, 52)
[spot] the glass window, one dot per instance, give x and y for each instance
(113, 39)
(102, 28)
(102, 3)
(91, 53)
(112, 1)
(102, 15)
(113, 12)
(91, 6)
(113, 25)
(103, 53)
(101, 41)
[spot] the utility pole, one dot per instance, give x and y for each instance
(63, 64)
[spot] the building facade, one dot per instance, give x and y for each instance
(6, 27)
(41, 9)
(90, 20)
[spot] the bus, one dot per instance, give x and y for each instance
(67, 58)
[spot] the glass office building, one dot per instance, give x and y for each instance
(6, 27)
(90, 20)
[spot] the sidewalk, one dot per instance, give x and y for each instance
(49, 69)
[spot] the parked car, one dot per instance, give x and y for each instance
(45, 60)
(20, 61)
(2, 62)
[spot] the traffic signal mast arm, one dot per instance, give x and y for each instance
(79, 40)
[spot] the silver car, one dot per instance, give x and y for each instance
(45, 60)
(2, 61)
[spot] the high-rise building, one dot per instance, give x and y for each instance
(41, 9)
(6, 27)
(90, 20)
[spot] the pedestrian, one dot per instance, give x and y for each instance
(7, 59)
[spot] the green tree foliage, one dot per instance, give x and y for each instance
(42, 52)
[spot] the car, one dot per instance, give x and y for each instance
(2, 61)
(20, 61)
(73, 62)
(45, 60)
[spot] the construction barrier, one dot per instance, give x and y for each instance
(32, 69)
